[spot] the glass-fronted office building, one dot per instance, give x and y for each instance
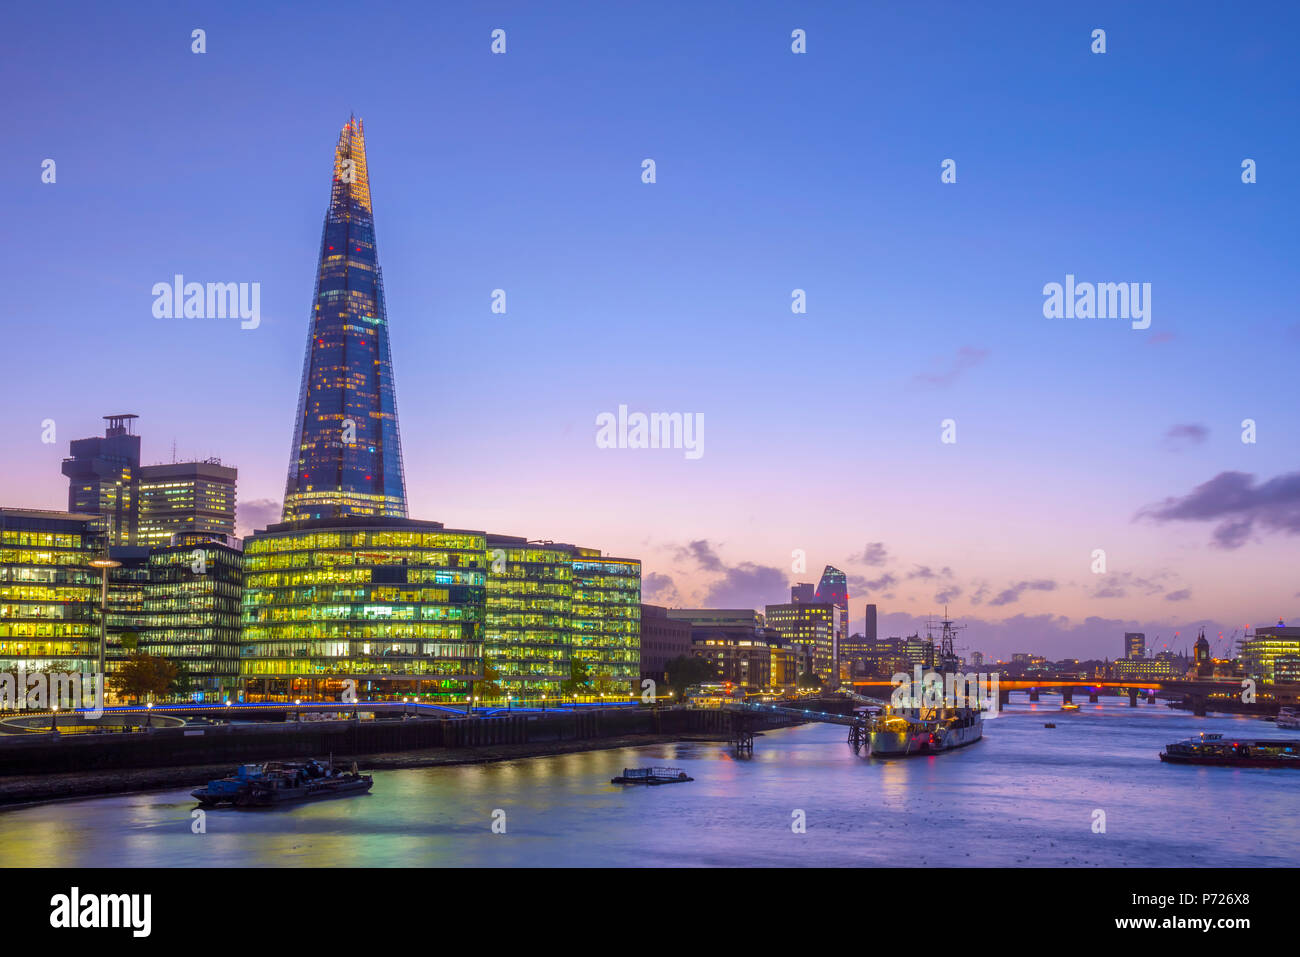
(528, 632)
(193, 607)
(386, 607)
(1261, 651)
(183, 498)
(49, 592)
(607, 619)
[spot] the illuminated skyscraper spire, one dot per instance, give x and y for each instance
(347, 452)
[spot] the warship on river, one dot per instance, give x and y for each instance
(920, 729)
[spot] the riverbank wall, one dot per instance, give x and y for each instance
(50, 753)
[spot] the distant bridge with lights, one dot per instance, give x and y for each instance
(1197, 692)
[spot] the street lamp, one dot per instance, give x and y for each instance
(103, 564)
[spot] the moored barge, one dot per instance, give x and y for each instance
(277, 782)
(651, 776)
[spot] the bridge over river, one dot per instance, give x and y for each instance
(1196, 692)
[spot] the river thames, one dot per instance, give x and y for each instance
(1025, 795)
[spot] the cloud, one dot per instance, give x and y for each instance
(1117, 585)
(968, 357)
(926, 572)
(748, 586)
(659, 588)
(873, 554)
(1010, 595)
(1181, 595)
(950, 593)
(257, 514)
(861, 583)
(703, 554)
(1191, 432)
(745, 585)
(1238, 504)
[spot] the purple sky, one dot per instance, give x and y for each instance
(775, 172)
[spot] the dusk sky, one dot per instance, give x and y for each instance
(775, 171)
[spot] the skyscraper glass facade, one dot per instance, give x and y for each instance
(346, 457)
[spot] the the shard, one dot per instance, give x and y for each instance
(347, 453)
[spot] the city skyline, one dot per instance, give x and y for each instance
(653, 305)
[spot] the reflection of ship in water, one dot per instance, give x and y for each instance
(900, 732)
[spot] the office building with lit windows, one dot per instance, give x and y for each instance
(813, 630)
(145, 505)
(386, 607)
(49, 592)
(1164, 665)
(607, 619)
(185, 498)
(737, 643)
(103, 478)
(127, 583)
(528, 628)
(192, 607)
(1261, 651)
(349, 594)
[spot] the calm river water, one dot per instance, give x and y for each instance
(1024, 796)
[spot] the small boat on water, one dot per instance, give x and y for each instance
(279, 782)
(1069, 707)
(651, 776)
(1050, 724)
(1214, 749)
(1288, 718)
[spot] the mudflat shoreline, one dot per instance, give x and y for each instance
(26, 789)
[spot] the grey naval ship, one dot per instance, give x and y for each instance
(903, 732)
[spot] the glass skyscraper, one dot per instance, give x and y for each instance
(347, 456)
(349, 594)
